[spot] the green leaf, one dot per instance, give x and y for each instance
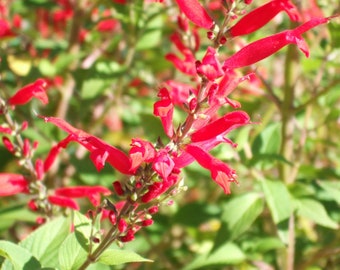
(116, 256)
(46, 240)
(278, 199)
(82, 229)
(152, 36)
(267, 243)
(10, 215)
(315, 211)
(240, 213)
(269, 140)
(20, 257)
(47, 68)
(92, 88)
(228, 254)
(71, 253)
(332, 188)
(194, 214)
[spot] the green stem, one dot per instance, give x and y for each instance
(287, 111)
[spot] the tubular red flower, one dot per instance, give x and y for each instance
(164, 109)
(221, 173)
(33, 90)
(195, 13)
(92, 193)
(186, 65)
(100, 151)
(265, 47)
(260, 16)
(63, 202)
(52, 155)
(210, 67)
(141, 151)
(163, 164)
(12, 184)
(221, 126)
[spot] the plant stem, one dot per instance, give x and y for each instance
(287, 111)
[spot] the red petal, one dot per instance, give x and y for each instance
(118, 159)
(260, 16)
(25, 94)
(92, 193)
(221, 126)
(11, 184)
(52, 155)
(221, 173)
(164, 110)
(63, 202)
(265, 47)
(163, 164)
(141, 151)
(195, 13)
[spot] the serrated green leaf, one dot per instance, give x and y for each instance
(45, 241)
(117, 256)
(20, 258)
(227, 254)
(278, 200)
(315, 211)
(241, 212)
(71, 254)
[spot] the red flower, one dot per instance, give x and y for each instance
(92, 193)
(163, 164)
(11, 184)
(107, 25)
(195, 13)
(221, 173)
(221, 126)
(100, 151)
(186, 65)
(164, 109)
(5, 29)
(210, 67)
(52, 155)
(33, 90)
(260, 16)
(265, 47)
(141, 151)
(63, 202)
